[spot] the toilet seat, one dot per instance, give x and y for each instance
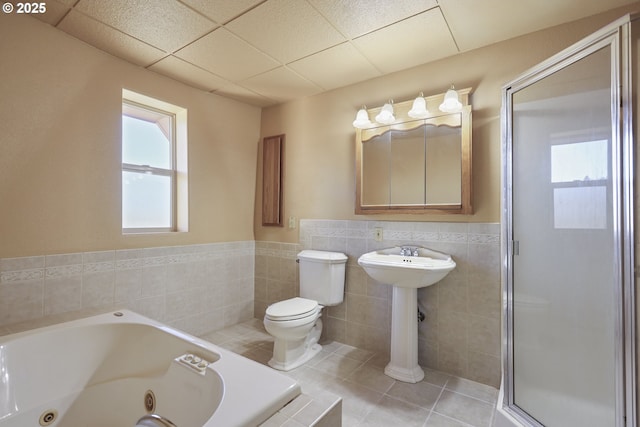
(292, 309)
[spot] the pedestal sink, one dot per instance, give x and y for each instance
(406, 268)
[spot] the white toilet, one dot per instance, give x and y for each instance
(295, 323)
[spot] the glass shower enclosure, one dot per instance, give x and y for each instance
(568, 278)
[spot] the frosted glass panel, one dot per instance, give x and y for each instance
(580, 207)
(563, 325)
(146, 200)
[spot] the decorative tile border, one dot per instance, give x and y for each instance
(406, 232)
(21, 275)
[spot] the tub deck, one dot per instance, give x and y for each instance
(96, 371)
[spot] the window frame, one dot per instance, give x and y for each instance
(150, 170)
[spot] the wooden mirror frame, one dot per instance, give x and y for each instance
(403, 121)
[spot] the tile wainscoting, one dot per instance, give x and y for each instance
(203, 288)
(461, 331)
(196, 288)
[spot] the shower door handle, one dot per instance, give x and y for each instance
(516, 247)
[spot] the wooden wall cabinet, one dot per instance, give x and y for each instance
(272, 148)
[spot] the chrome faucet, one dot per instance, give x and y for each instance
(408, 251)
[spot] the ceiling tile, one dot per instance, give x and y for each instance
(281, 85)
(321, 67)
(473, 27)
(109, 40)
(286, 29)
(222, 11)
(416, 40)
(274, 50)
(224, 54)
(180, 70)
(173, 25)
(357, 17)
(241, 94)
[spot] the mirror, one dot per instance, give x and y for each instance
(416, 166)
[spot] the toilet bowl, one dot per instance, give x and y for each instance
(296, 328)
(295, 323)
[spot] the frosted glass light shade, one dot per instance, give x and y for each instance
(362, 119)
(385, 116)
(419, 109)
(451, 103)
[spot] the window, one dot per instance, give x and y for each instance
(153, 165)
(579, 174)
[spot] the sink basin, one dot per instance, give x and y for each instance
(390, 267)
(406, 269)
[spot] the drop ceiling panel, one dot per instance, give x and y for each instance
(416, 40)
(224, 54)
(221, 11)
(180, 70)
(165, 24)
(473, 25)
(241, 94)
(109, 40)
(288, 48)
(281, 85)
(286, 29)
(321, 68)
(357, 17)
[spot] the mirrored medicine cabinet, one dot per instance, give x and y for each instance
(416, 165)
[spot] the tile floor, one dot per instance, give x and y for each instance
(370, 398)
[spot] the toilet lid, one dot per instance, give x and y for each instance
(291, 309)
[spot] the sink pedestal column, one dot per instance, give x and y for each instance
(403, 365)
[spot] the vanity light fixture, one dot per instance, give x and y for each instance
(386, 117)
(419, 108)
(451, 103)
(362, 119)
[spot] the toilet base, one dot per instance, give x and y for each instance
(290, 353)
(287, 366)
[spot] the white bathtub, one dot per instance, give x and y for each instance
(98, 371)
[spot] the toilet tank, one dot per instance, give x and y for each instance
(322, 276)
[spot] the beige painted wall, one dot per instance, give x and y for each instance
(319, 154)
(60, 132)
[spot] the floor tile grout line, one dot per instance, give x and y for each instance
(472, 397)
(465, 424)
(431, 411)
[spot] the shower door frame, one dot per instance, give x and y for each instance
(617, 36)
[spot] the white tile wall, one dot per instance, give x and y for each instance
(198, 288)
